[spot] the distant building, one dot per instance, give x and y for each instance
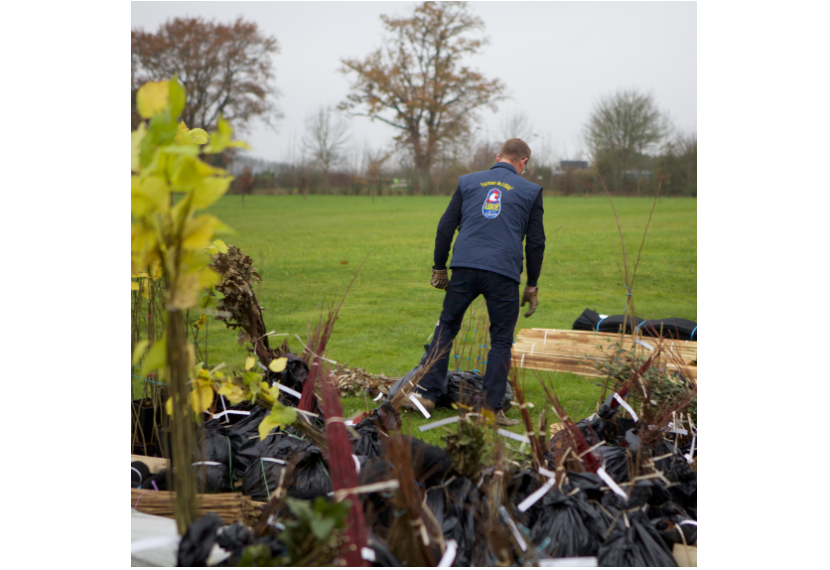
(573, 165)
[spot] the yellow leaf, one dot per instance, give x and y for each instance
(190, 171)
(233, 392)
(169, 406)
(135, 154)
(198, 231)
(250, 362)
(133, 286)
(265, 426)
(138, 352)
(200, 322)
(156, 357)
(209, 190)
(220, 139)
(201, 397)
(149, 194)
(191, 136)
(152, 98)
(278, 364)
(220, 245)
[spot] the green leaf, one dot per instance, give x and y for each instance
(163, 128)
(299, 508)
(138, 352)
(177, 97)
(322, 527)
(156, 357)
(135, 145)
(283, 415)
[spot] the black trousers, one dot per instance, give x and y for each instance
(501, 294)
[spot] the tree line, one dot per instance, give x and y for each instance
(416, 83)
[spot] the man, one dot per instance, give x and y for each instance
(493, 210)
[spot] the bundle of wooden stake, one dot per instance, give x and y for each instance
(579, 352)
(231, 507)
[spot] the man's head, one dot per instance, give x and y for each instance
(515, 152)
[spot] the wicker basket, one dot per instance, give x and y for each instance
(231, 507)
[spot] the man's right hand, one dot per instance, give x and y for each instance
(529, 296)
(439, 279)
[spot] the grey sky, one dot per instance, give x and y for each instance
(556, 58)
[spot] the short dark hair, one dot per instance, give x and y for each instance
(515, 149)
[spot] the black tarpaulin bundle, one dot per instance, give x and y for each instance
(674, 328)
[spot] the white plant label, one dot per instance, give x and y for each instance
(290, 391)
(610, 482)
(449, 554)
(625, 405)
(419, 405)
(536, 495)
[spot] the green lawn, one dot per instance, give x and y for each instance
(300, 247)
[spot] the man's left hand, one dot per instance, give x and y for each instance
(439, 279)
(529, 296)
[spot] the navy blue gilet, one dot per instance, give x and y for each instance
(494, 215)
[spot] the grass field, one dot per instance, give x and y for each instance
(308, 250)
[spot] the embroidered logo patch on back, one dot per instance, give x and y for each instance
(492, 205)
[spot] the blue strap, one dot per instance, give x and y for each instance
(638, 326)
(148, 380)
(693, 332)
(600, 322)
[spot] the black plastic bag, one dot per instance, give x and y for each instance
(309, 479)
(468, 388)
(615, 461)
(568, 524)
(213, 445)
(666, 518)
(140, 472)
(455, 507)
(371, 429)
(633, 541)
(156, 481)
(197, 542)
(676, 469)
(211, 477)
(243, 435)
(383, 555)
(234, 539)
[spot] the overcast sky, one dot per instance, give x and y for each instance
(556, 58)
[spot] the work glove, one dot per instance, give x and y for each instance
(439, 278)
(529, 296)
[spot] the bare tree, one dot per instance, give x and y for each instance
(622, 130)
(417, 84)
(226, 69)
(375, 162)
(516, 126)
(325, 139)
